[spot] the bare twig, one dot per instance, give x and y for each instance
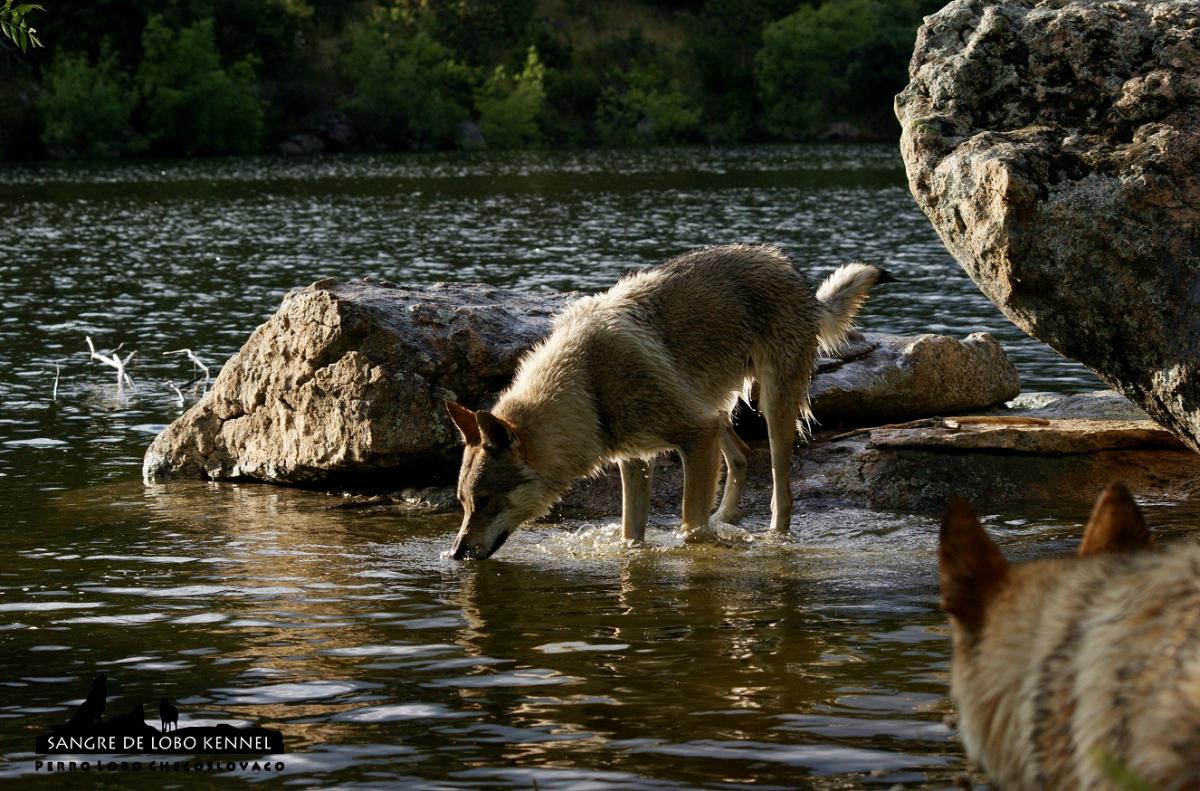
(177, 392)
(116, 362)
(196, 361)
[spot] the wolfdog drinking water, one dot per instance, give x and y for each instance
(656, 363)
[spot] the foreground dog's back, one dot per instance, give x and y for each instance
(1077, 672)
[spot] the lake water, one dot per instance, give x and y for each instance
(565, 662)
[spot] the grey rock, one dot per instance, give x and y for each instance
(301, 144)
(1105, 404)
(1054, 146)
(880, 378)
(331, 125)
(346, 380)
(470, 136)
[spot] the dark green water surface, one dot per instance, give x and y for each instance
(568, 661)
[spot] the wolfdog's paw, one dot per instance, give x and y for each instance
(730, 515)
(706, 534)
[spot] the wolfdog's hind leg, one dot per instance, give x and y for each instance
(781, 409)
(734, 451)
(635, 497)
(701, 463)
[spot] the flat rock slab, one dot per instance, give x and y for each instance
(1100, 404)
(1059, 438)
(1055, 147)
(915, 470)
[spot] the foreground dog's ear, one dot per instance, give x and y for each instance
(496, 433)
(970, 567)
(465, 420)
(1116, 524)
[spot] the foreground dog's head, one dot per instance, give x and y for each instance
(1042, 650)
(497, 487)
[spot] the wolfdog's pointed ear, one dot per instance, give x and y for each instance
(970, 567)
(465, 420)
(1116, 524)
(497, 433)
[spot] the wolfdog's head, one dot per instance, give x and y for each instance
(1001, 613)
(497, 487)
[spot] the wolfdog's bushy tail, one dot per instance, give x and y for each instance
(840, 297)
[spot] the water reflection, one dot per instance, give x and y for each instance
(767, 661)
(570, 659)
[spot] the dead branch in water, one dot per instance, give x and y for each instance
(196, 361)
(177, 392)
(197, 364)
(116, 362)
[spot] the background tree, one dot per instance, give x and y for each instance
(193, 104)
(87, 107)
(840, 61)
(510, 107)
(189, 77)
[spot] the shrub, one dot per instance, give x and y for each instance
(722, 40)
(510, 107)
(193, 105)
(409, 92)
(643, 107)
(86, 108)
(844, 60)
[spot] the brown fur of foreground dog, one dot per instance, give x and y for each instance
(654, 364)
(1076, 672)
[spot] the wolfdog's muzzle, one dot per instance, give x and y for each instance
(460, 551)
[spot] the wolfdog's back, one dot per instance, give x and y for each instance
(1107, 651)
(662, 353)
(716, 310)
(669, 346)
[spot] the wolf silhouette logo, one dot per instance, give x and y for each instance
(88, 733)
(168, 715)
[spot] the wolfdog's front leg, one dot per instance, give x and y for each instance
(701, 463)
(635, 497)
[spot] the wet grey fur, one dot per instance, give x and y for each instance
(656, 363)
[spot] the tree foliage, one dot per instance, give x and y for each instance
(510, 107)
(87, 107)
(14, 24)
(193, 104)
(841, 61)
(408, 90)
(232, 76)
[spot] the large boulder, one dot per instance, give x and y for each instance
(1055, 146)
(344, 384)
(347, 379)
